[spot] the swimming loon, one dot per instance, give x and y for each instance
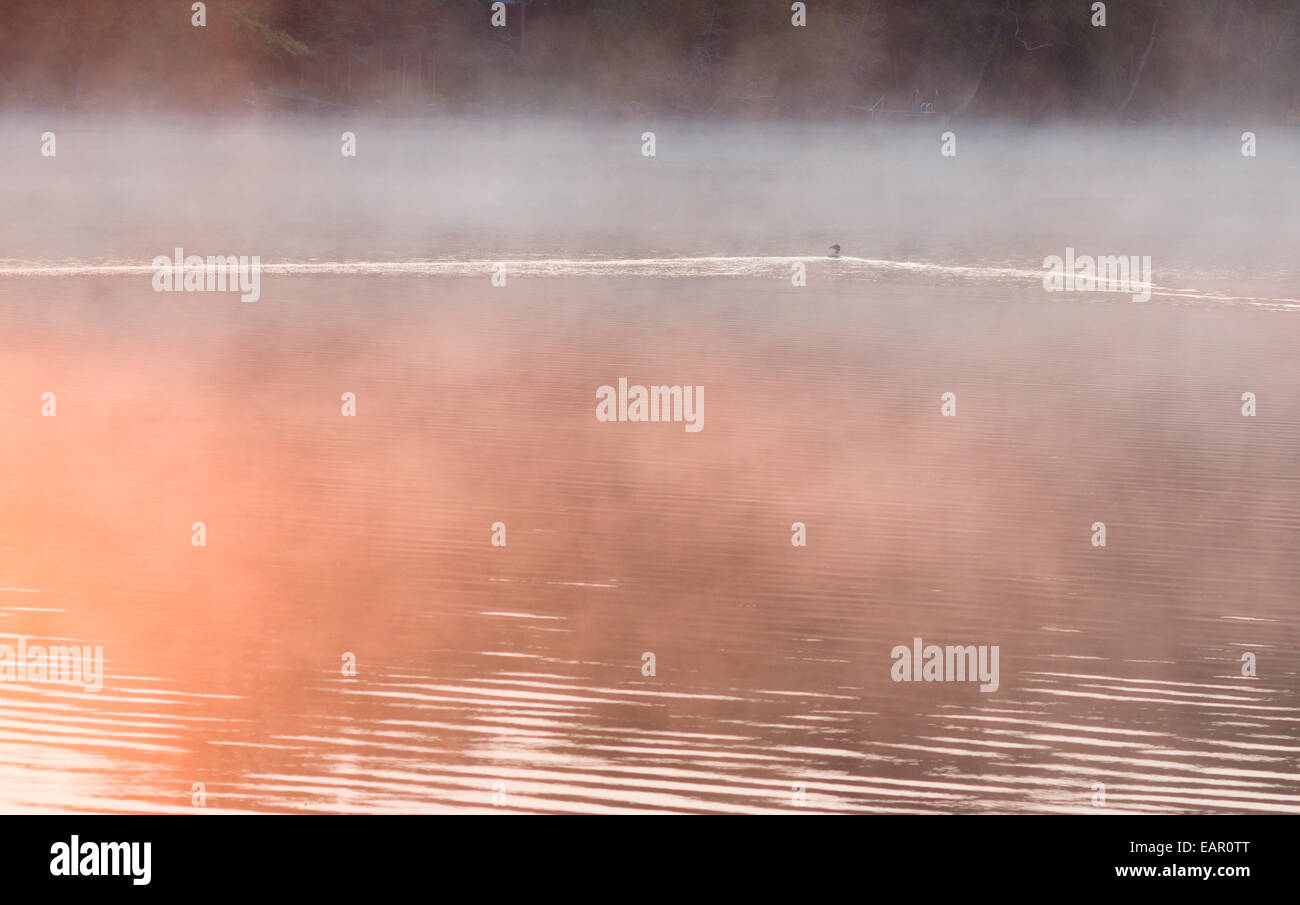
(835, 251)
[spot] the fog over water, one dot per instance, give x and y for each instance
(126, 190)
(517, 670)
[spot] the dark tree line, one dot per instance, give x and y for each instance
(1015, 58)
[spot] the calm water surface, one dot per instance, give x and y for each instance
(515, 672)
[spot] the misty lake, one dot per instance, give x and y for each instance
(514, 677)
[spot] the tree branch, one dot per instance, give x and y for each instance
(1137, 76)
